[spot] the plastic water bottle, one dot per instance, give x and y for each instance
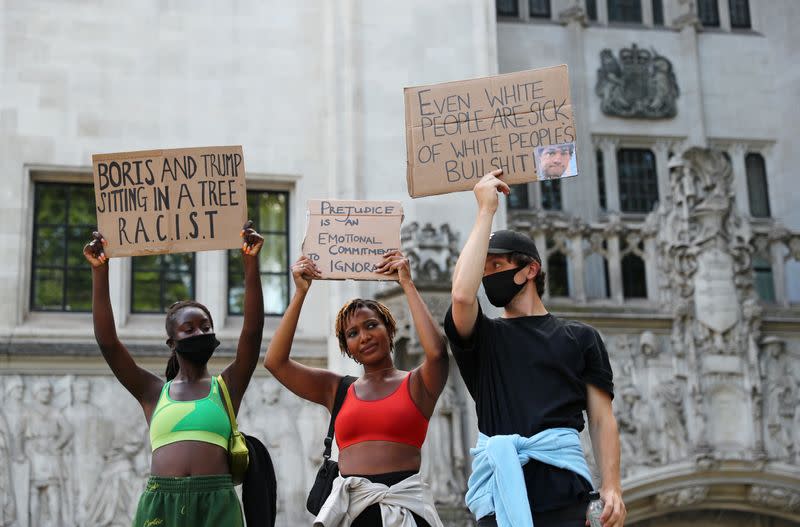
(595, 509)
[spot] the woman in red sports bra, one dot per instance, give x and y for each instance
(384, 418)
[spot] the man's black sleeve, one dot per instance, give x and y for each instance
(465, 351)
(597, 371)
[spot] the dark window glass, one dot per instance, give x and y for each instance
(557, 276)
(740, 14)
(551, 194)
(63, 220)
(765, 286)
(591, 10)
(507, 8)
(601, 179)
(708, 13)
(625, 11)
(658, 13)
(270, 214)
(638, 182)
(518, 199)
(634, 282)
(757, 186)
(160, 280)
(539, 8)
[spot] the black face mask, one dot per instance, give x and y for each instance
(197, 349)
(500, 287)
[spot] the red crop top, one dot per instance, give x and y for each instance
(394, 418)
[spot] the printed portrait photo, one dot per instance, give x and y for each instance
(556, 161)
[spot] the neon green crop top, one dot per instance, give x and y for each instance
(199, 420)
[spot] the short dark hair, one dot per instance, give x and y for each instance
(354, 305)
(523, 260)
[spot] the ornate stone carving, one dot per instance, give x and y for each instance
(638, 441)
(681, 497)
(714, 291)
(648, 345)
(782, 398)
(45, 436)
(8, 505)
(119, 484)
(444, 453)
(640, 84)
(671, 397)
(773, 497)
(432, 252)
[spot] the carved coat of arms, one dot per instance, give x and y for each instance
(640, 84)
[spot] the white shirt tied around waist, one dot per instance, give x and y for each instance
(351, 495)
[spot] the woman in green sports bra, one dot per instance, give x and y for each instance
(190, 482)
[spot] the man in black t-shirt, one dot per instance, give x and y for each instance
(532, 375)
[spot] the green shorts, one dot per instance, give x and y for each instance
(200, 501)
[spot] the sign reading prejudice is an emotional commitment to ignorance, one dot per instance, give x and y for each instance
(168, 201)
(458, 131)
(348, 238)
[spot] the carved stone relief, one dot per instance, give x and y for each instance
(641, 84)
(682, 497)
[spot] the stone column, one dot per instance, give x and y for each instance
(540, 240)
(580, 197)
(692, 87)
(609, 148)
(661, 152)
(737, 151)
(602, 12)
(778, 261)
(614, 261)
(576, 262)
(647, 13)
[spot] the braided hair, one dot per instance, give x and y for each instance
(354, 305)
(172, 313)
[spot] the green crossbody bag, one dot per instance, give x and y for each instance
(237, 446)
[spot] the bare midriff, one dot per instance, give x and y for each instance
(378, 457)
(189, 458)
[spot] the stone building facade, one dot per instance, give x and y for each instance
(678, 240)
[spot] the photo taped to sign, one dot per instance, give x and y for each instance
(348, 239)
(458, 131)
(170, 201)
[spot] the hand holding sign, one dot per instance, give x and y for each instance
(94, 252)
(395, 263)
(487, 189)
(303, 272)
(252, 240)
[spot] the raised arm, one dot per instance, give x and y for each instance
(468, 271)
(142, 384)
(238, 373)
(433, 370)
(605, 443)
(312, 384)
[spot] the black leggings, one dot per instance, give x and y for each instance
(371, 516)
(573, 516)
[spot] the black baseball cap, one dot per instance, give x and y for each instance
(507, 241)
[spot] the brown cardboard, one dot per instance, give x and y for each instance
(170, 201)
(348, 238)
(458, 131)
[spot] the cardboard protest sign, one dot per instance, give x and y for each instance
(169, 201)
(458, 131)
(348, 238)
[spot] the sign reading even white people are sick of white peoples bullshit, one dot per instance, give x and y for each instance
(169, 201)
(458, 131)
(349, 238)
